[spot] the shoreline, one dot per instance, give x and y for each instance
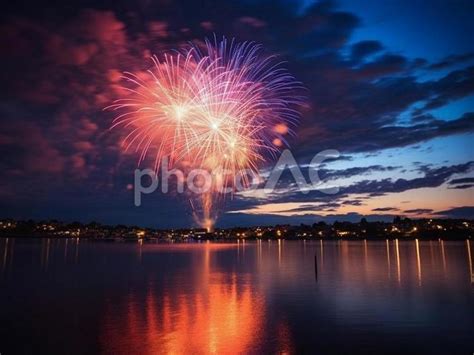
(236, 240)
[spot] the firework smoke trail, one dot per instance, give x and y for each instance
(222, 107)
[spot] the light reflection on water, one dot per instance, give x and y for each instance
(213, 312)
(279, 296)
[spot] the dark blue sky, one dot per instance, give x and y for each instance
(390, 85)
(420, 28)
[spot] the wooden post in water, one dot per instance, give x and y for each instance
(316, 267)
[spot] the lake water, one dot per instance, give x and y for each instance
(71, 296)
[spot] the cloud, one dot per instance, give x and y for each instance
(383, 65)
(329, 206)
(419, 211)
(26, 150)
(455, 85)
(362, 49)
(462, 187)
(358, 193)
(451, 60)
(458, 212)
(393, 136)
(385, 209)
(433, 177)
(352, 202)
(252, 21)
(462, 181)
(326, 174)
(207, 25)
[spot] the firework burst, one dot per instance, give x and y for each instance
(222, 107)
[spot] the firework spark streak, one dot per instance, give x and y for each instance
(222, 107)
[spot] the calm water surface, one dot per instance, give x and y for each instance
(70, 296)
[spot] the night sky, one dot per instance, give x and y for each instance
(390, 84)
